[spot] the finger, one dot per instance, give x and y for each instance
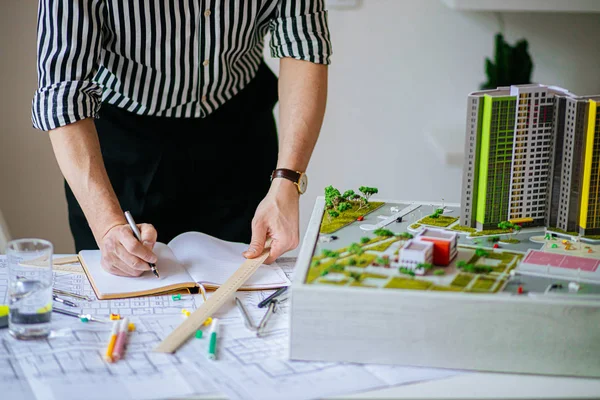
(133, 246)
(257, 244)
(278, 247)
(133, 262)
(149, 235)
(115, 266)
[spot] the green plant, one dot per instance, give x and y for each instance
(406, 271)
(439, 272)
(352, 261)
(365, 240)
(512, 65)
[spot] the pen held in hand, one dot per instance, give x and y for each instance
(138, 235)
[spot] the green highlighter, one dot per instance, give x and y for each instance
(3, 316)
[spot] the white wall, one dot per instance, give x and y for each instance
(401, 69)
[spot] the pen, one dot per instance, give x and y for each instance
(64, 301)
(138, 235)
(272, 296)
(76, 315)
(75, 295)
(119, 349)
(112, 340)
(212, 346)
(247, 320)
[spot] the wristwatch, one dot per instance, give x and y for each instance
(299, 178)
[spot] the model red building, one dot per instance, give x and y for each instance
(444, 244)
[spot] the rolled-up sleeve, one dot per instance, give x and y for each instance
(300, 30)
(68, 50)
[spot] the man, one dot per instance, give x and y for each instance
(164, 108)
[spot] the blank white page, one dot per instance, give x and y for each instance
(170, 270)
(211, 261)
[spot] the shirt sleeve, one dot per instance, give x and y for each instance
(68, 49)
(300, 30)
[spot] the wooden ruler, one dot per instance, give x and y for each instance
(224, 293)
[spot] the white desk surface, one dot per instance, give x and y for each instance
(483, 386)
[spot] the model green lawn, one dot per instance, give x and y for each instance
(330, 225)
(487, 270)
(441, 221)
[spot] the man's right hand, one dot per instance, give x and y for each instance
(123, 254)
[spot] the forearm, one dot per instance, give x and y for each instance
(77, 151)
(302, 98)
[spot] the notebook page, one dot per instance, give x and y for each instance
(170, 270)
(211, 261)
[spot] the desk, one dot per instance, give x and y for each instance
(482, 386)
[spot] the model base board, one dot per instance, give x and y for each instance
(426, 291)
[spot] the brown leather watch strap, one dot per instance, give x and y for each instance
(292, 175)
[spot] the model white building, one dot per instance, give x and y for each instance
(445, 244)
(415, 252)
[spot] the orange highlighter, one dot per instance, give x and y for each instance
(111, 342)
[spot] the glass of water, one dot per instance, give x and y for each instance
(29, 288)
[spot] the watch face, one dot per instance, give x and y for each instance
(302, 183)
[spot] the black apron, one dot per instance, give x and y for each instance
(189, 174)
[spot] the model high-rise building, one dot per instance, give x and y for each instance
(530, 158)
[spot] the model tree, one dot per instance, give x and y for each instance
(368, 191)
(481, 252)
(348, 194)
(330, 253)
(425, 266)
(383, 232)
(332, 214)
(343, 206)
(355, 248)
(365, 240)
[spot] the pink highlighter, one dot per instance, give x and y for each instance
(119, 349)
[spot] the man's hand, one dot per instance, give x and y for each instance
(276, 217)
(123, 254)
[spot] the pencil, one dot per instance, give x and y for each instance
(119, 349)
(111, 341)
(212, 346)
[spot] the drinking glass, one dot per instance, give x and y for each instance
(29, 288)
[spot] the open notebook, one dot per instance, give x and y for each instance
(187, 260)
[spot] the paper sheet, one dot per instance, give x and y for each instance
(211, 261)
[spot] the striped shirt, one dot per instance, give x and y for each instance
(171, 58)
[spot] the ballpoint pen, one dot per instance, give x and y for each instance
(268, 300)
(273, 305)
(64, 301)
(247, 320)
(74, 295)
(77, 315)
(138, 235)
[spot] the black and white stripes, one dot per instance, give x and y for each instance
(173, 58)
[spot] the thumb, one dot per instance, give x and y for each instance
(257, 244)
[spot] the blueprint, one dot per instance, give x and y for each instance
(70, 361)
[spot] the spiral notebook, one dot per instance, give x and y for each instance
(190, 259)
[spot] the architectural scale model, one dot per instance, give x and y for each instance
(532, 157)
(511, 275)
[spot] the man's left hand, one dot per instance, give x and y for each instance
(276, 217)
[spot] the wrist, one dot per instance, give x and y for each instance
(284, 186)
(101, 229)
